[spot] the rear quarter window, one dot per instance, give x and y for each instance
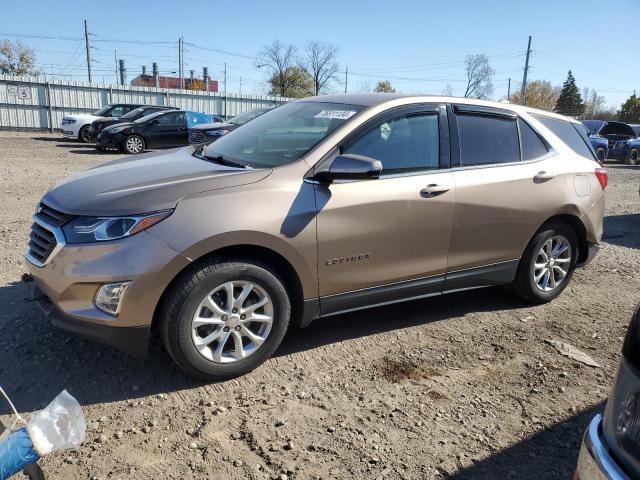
(532, 145)
(569, 134)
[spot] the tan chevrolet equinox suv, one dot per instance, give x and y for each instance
(321, 206)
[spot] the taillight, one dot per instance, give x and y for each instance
(603, 178)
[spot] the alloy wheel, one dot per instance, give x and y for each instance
(552, 263)
(232, 321)
(134, 144)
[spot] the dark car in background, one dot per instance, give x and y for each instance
(210, 132)
(98, 125)
(600, 145)
(164, 129)
(611, 444)
(621, 137)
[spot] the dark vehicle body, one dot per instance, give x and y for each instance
(164, 129)
(210, 132)
(622, 139)
(611, 444)
(600, 144)
(98, 125)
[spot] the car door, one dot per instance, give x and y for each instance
(503, 172)
(166, 130)
(384, 239)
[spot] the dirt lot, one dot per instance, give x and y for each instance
(461, 386)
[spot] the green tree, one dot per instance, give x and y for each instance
(17, 59)
(384, 86)
(569, 101)
(630, 110)
(293, 82)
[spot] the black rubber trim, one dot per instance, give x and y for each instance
(592, 250)
(133, 341)
(497, 274)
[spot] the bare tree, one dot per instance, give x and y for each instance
(281, 60)
(479, 76)
(593, 103)
(17, 59)
(320, 63)
(539, 94)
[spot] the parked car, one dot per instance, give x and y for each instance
(210, 132)
(321, 206)
(622, 139)
(98, 125)
(611, 445)
(600, 144)
(77, 126)
(164, 129)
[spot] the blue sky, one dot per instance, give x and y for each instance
(418, 45)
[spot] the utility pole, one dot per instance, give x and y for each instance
(509, 90)
(523, 90)
(225, 90)
(346, 78)
(88, 47)
(123, 72)
(115, 60)
(181, 61)
(240, 89)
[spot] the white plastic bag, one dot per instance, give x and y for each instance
(60, 425)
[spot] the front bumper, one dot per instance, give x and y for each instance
(109, 140)
(133, 341)
(594, 461)
(67, 285)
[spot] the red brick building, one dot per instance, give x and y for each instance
(172, 82)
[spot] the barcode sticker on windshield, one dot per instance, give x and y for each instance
(338, 114)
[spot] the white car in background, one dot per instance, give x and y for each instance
(77, 126)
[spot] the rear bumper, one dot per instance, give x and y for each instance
(594, 461)
(131, 340)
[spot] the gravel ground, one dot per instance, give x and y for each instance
(461, 386)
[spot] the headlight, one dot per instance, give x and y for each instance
(99, 229)
(217, 133)
(68, 121)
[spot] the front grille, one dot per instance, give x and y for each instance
(42, 239)
(52, 216)
(197, 137)
(41, 242)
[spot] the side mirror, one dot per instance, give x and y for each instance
(351, 167)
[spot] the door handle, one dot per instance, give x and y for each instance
(434, 189)
(544, 176)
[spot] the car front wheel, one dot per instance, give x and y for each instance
(600, 154)
(632, 157)
(224, 318)
(133, 144)
(547, 265)
(83, 135)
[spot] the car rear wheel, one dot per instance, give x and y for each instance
(83, 135)
(601, 154)
(632, 157)
(547, 265)
(133, 144)
(222, 319)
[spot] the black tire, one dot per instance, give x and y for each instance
(524, 285)
(83, 135)
(632, 157)
(601, 154)
(184, 297)
(101, 149)
(127, 145)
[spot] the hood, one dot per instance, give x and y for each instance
(117, 125)
(144, 183)
(601, 127)
(84, 117)
(214, 126)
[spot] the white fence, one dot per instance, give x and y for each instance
(34, 103)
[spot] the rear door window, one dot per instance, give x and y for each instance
(570, 135)
(487, 139)
(530, 142)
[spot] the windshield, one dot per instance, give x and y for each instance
(150, 116)
(281, 135)
(136, 112)
(103, 111)
(246, 116)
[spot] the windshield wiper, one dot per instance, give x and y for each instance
(223, 161)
